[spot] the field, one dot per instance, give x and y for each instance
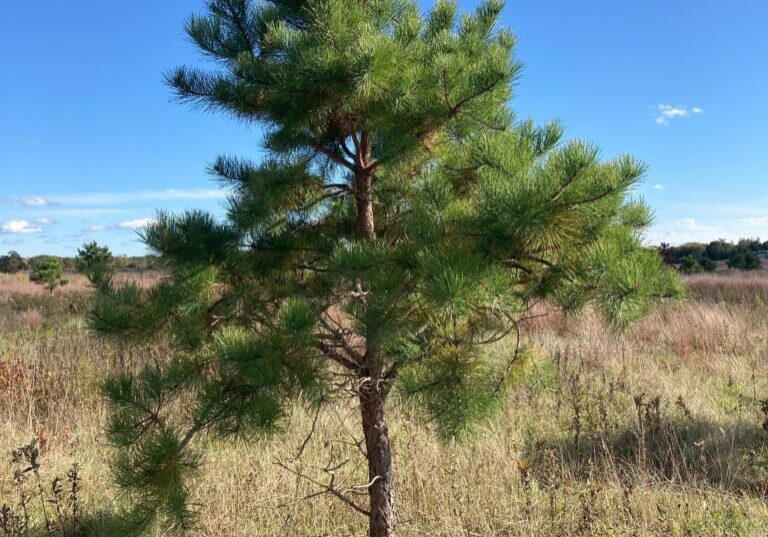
(659, 431)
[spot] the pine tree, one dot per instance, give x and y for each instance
(402, 220)
(48, 272)
(96, 263)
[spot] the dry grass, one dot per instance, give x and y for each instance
(653, 433)
(15, 285)
(739, 287)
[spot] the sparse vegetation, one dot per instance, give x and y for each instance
(420, 314)
(658, 432)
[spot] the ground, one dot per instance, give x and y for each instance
(654, 432)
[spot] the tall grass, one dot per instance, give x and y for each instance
(654, 432)
(735, 287)
(17, 285)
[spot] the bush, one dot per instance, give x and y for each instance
(744, 261)
(708, 265)
(719, 250)
(689, 265)
(48, 272)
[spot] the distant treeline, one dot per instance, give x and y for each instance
(691, 257)
(746, 254)
(13, 262)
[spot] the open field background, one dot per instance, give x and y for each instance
(655, 432)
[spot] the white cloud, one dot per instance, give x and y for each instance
(658, 187)
(34, 201)
(714, 224)
(139, 223)
(20, 227)
(43, 221)
(94, 228)
(666, 112)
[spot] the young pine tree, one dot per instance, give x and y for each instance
(402, 220)
(48, 272)
(96, 263)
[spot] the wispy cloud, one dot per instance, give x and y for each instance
(34, 201)
(140, 223)
(20, 227)
(667, 112)
(94, 228)
(658, 186)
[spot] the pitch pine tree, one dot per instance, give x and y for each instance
(401, 220)
(48, 272)
(96, 263)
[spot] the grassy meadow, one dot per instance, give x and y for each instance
(655, 432)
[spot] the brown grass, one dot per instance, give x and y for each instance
(732, 286)
(19, 284)
(656, 432)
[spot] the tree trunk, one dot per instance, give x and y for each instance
(364, 202)
(372, 389)
(372, 406)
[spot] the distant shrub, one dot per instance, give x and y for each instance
(48, 272)
(708, 265)
(744, 261)
(689, 265)
(719, 250)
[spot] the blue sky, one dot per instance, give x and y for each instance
(91, 146)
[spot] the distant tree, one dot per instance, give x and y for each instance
(48, 272)
(693, 249)
(667, 254)
(719, 250)
(707, 264)
(752, 261)
(12, 263)
(744, 260)
(401, 222)
(737, 260)
(689, 265)
(749, 245)
(96, 262)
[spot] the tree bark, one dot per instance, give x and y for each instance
(372, 411)
(364, 202)
(372, 388)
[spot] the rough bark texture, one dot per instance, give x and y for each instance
(372, 388)
(372, 406)
(364, 201)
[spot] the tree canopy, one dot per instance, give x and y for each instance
(403, 219)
